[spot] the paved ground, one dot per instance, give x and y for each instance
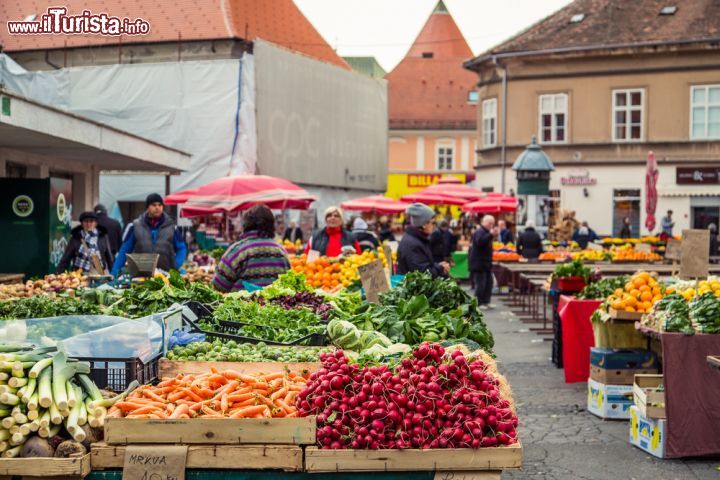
(561, 440)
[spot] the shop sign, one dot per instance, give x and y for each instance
(579, 178)
(697, 176)
(23, 206)
(422, 181)
(61, 207)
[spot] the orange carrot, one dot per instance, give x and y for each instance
(180, 410)
(248, 411)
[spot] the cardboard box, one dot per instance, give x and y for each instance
(609, 401)
(618, 376)
(623, 359)
(647, 434)
(649, 401)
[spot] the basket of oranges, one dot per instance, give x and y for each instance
(637, 297)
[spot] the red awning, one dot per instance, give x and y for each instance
(376, 203)
(432, 198)
(232, 194)
(492, 203)
(459, 190)
(180, 197)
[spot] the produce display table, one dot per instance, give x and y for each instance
(460, 268)
(255, 475)
(691, 397)
(577, 336)
(11, 277)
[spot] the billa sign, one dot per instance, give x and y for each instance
(422, 181)
(697, 176)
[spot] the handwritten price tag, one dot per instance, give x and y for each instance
(694, 253)
(155, 462)
(374, 280)
(643, 247)
(312, 256)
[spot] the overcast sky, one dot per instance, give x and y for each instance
(385, 29)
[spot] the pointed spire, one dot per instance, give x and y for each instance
(440, 7)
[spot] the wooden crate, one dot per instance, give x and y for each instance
(217, 457)
(170, 368)
(464, 459)
(222, 431)
(623, 315)
(28, 468)
(618, 334)
(645, 395)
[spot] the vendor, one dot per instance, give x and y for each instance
(332, 239)
(153, 232)
(414, 253)
(255, 258)
(529, 243)
(87, 240)
(364, 237)
(584, 235)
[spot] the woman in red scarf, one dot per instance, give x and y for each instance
(331, 239)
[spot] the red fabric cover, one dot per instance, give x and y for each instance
(577, 336)
(692, 395)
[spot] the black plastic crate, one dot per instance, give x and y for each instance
(230, 330)
(117, 373)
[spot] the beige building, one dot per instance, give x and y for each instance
(600, 84)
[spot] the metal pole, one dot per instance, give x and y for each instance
(167, 184)
(503, 151)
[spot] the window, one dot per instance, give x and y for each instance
(705, 112)
(577, 18)
(553, 118)
(626, 204)
(445, 157)
(489, 122)
(472, 96)
(669, 10)
(628, 115)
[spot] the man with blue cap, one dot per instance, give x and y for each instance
(414, 253)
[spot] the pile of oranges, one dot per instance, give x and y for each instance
(291, 247)
(505, 256)
(632, 255)
(639, 294)
(331, 273)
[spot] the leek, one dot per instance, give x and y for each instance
(55, 416)
(34, 425)
(7, 389)
(39, 367)
(71, 397)
(44, 388)
(18, 439)
(4, 435)
(61, 372)
(20, 418)
(71, 422)
(3, 446)
(4, 412)
(33, 402)
(45, 419)
(17, 382)
(9, 399)
(4, 377)
(33, 415)
(13, 452)
(109, 402)
(29, 390)
(83, 415)
(93, 394)
(8, 422)
(25, 429)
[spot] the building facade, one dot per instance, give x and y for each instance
(600, 84)
(431, 103)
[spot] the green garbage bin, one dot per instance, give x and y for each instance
(460, 269)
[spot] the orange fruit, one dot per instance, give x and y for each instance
(618, 305)
(618, 292)
(639, 282)
(644, 288)
(647, 305)
(629, 309)
(630, 302)
(646, 296)
(635, 293)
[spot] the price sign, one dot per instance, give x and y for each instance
(455, 475)
(155, 462)
(595, 247)
(694, 253)
(673, 249)
(374, 280)
(312, 256)
(643, 247)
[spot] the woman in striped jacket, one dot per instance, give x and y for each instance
(256, 258)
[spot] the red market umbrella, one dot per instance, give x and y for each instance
(231, 194)
(492, 203)
(460, 190)
(180, 197)
(651, 178)
(376, 203)
(431, 198)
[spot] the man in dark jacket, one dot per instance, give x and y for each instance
(414, 252)
(153, 232)
(584, 235)
(86, 241)
(111, 226)
(365, 238)
(529, 243)
(506, 235)
(293, 233)
(386, 230)
(442, 242)
(480, 260)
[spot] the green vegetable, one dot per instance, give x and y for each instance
(244, 352)
(602, 289)
(704, 313)
(575, 268)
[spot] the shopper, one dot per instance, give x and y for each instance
(584, 235)
(386, 232)
(506, 235)
(332, 239)
(668, 224)
(529, 243)
(713, 240)
(626, 230)
(111, 226)
(153, 232)
(365, 238)
(255, 258)
(480, 260)
(414, 252)
(293, 233)
(87, 240)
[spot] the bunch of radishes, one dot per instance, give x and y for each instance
(434, 400)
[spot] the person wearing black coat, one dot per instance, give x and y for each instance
(112, 227)
(480, 260)
(529, 243)
(386, 230)
(86, 239)
(414, 253)
(713, 240)
(293, 233)
(365, 238)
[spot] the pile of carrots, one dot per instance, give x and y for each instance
(215, 395)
